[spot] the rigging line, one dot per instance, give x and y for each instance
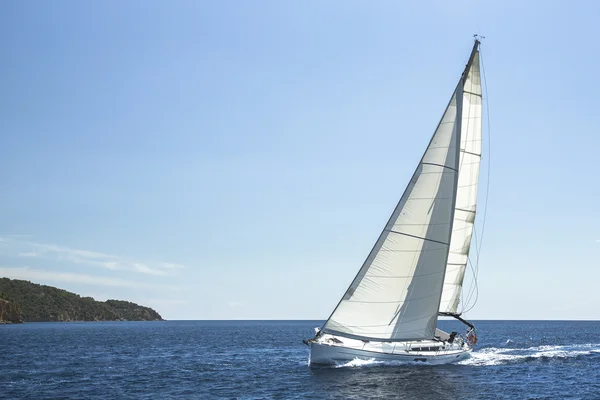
(461, 150)
(461, 302)
(465, 300)
(487, 107)
(475, 271)
(472, 287)
(466, 303)
(487, 189)
(475, 291)
(460, 154)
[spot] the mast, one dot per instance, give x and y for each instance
(466, 198)
(459, 118)
(396, 293)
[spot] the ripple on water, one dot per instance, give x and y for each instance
(258, 359)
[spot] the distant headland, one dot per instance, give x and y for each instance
(24, 301)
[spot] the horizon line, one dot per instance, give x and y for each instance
(322, 320)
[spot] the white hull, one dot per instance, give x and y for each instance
(324, 353)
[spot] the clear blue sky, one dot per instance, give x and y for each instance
(230, 159)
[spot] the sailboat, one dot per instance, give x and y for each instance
(415, 271)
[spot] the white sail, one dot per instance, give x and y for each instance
(466, 198)
(396, 294)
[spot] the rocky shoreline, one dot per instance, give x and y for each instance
(24, 301)
(10, 313)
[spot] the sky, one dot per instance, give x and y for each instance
(238, 160)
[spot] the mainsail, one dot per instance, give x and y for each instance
(466, 196)
(397, 292)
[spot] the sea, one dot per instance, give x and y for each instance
(267, 360)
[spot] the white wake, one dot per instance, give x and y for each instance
(358, 363)
(497, 356)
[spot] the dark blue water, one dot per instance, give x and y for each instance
(263, 360)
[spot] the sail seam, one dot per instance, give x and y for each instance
(376, 326)
(398, 276)
(374, 338)
(473, 93)
(418, 237)
(468, 152)
(334, 332)
(439, 165)
(439, 223)
(385, 302)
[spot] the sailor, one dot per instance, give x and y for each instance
(451, 338)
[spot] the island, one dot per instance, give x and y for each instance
(24, 301)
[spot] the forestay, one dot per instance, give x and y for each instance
(466, 198)
(396, 294)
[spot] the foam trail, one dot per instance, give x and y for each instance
(358, 363)
(372, 362)
(497, 356)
